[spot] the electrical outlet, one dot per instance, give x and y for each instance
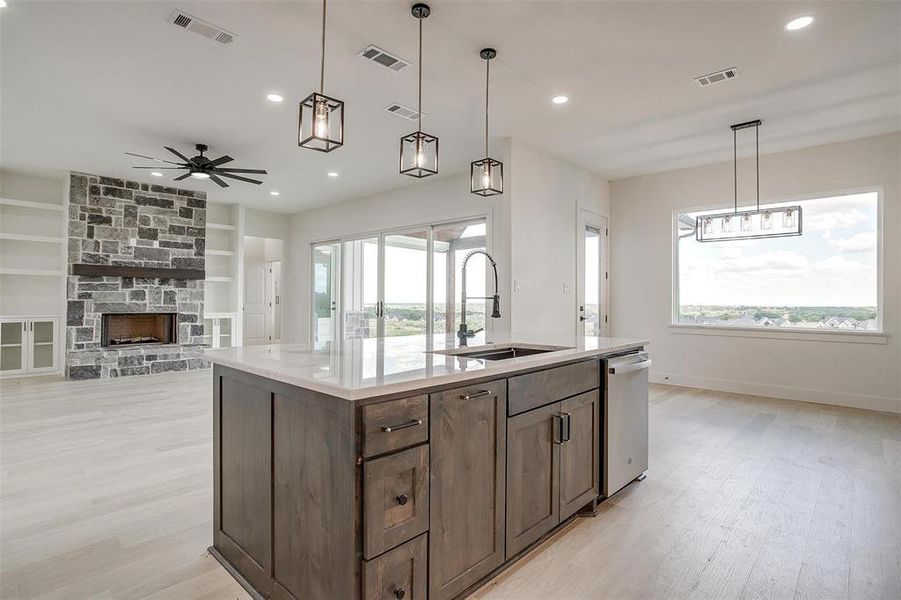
(565, 288)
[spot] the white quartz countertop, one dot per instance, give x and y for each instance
(366, 368)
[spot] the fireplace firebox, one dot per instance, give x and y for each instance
(129, 329)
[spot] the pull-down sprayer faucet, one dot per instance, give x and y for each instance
(464, 334)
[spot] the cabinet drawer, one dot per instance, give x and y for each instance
(395, 499)
(396, 424)
(543, 387)
(397, 575)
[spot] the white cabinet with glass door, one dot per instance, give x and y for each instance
(218, 330)
(29, 346)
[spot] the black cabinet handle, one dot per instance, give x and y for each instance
(399, 593)
(413, 423)
(557, 428)
(402, 499)
(567, 427)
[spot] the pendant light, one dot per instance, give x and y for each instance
(419, 150)
(782, 221)
(487, 175)
(321, 122)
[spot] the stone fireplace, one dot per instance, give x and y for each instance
(136, 270)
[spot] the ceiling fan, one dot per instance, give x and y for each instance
(201, 167)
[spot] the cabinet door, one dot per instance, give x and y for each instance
(13, 346)
(466, 528)
(42, 345)
(580, 452)
(533, 447)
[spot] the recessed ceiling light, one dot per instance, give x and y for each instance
(799, 23)
(200, 175)
(274, 193)
(275, 98)
(560, 99)
(2, 3)
(333, 173)
(154, 173)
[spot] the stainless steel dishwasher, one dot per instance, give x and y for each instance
(625, 420)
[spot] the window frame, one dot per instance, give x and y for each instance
(486, 217)
(794, 333)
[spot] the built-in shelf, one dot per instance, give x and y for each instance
(219, 279)
(20, 237)
(35, 272)
(220, 253)
(30, 204)
(222, 226)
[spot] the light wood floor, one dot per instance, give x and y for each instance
(107, 494)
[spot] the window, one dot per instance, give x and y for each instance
(825, 279)
(378, 286)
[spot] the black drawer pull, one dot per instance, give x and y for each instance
(413, 423)
(478, 394)
(402, 499)
(399, 593)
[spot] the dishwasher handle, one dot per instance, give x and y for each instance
(631, 367)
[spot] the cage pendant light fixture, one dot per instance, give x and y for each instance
(487, 175)
(321, 120)
(419, 150)
(782, 221)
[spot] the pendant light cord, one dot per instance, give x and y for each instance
(322, 64)
(419, 98)
(757, 154)
(487, 78)
(735, 168)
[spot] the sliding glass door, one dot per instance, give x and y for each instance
(398, 283)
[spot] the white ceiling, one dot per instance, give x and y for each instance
(84, 82)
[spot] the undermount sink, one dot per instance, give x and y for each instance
(502, 353)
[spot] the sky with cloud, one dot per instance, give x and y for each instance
(834, 262)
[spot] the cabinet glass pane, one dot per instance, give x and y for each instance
(207, 339)
(225, 341)
(11, 333)
(42, 355)
(225, 326)
(42, 333)
(10, 358)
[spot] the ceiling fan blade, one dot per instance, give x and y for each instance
(261, 171)
(185, 176)
(239, 178)
(218, 181)
(178, 154)
(220, 161)
(151, 158)
(160, 168)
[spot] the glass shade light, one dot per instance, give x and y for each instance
(419, 154)
(487, 177)
(321, 123)
(772, 222)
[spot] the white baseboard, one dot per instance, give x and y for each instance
(880, 403)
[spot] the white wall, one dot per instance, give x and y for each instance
(835, 372)
(544, 198)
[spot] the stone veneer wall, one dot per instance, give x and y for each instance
(119, 222)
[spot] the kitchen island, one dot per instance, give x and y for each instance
(401, 468)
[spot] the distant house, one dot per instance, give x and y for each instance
(835, 322)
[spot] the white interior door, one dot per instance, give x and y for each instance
(274, 300)
(591, 296)
(256, 310)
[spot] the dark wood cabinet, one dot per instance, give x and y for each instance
(580, 471)
(466, 529)
(533, 480)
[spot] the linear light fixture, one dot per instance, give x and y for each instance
(783, 221)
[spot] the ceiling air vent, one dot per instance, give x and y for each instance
(205, 28)
(718, 77)
(384, 58)
(403, 111)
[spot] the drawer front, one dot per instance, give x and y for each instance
(396, 424)
(543, 387)
(395, 499)
(397, 575)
